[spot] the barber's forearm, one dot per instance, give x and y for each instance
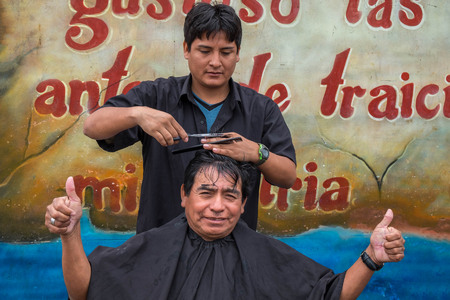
(279, 170)
(356, 279)
(106, 122)
(75, 265)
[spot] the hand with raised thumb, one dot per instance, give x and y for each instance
(64, 213)
(74, 203)
(386, 242)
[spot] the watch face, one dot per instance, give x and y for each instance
(265, 153)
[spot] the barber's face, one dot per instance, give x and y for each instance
(213, 206)
(211, 62)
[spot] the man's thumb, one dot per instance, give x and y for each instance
(70, 190)
(387, 219)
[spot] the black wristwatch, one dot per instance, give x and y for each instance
(263, 152)
(369, 262)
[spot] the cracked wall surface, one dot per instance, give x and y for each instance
(399, 163)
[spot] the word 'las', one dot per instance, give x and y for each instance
(410, 14)
(387, 102)
(86, 18)
(335, 199)
(52, 98)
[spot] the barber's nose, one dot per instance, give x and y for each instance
(215, 59)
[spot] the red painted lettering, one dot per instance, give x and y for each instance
(421, 107)
(98, 28)
(288, 19)
(311, 190)
(353, 15)
(380, 16)
(347, 100)
(447, 98)
(117, 71)
(417, 13)
(57, 106)
(389, 99)
(131, 183)
(332, 83)
(410, 15)
(98, 190)
(336, 199)
(255, 7)
(77, 89)
(331, 199)
(107, 193)
(53, 101)
(386, 101)
(166, 10)
(407, 92)
(132, 8)
(260, 63)
(266, 197)
(282, 100)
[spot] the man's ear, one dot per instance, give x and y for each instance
(186, 50)
(243, 205)
(183, 196)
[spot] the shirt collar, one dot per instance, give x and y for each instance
(186, 91)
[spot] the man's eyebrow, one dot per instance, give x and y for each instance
(212, 187)
(223, 48)
(207, 187)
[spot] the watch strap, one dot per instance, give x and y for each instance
(369, 262)
(262, 157)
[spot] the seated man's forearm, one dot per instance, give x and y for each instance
(356, 279)
(76, 267)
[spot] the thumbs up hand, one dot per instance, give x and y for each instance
(64, 213)
(386, 243)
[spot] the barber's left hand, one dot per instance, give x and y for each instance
(386, 243)
(244, 150)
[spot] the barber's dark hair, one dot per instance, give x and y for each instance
(209, 162)
(212, 19)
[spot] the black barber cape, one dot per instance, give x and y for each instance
(173, 262)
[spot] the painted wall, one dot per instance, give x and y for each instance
(364, 86)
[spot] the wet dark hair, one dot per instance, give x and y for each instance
(212, 19)
(208, 162)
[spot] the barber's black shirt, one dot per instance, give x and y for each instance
(252, 115)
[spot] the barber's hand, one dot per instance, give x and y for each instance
(160, 125)
(386, 243)
(66, 211)
(244, 150)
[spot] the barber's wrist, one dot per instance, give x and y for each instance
(263, 154)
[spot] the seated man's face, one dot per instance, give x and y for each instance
(213, 206)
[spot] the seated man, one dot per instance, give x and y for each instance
(208, 252)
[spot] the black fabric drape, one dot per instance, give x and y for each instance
(173, 262)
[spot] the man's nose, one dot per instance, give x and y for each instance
(217, 204)
(215, 59)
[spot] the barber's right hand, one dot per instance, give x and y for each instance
(160, 125)
(66, 211)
